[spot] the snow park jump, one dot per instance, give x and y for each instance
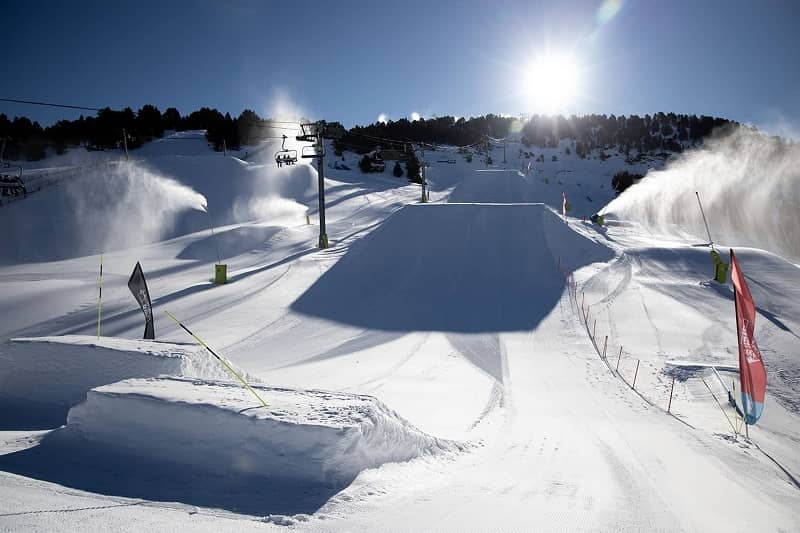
(300, 316)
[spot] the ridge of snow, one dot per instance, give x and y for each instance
(307, 435)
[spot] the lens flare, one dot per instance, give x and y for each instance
(608, 10)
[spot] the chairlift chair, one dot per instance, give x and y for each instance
(310, 152)
(10, 184)
(309, 132)
(284, 156)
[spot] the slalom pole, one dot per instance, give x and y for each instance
(100, 296)
(220, 359)
(721, 382)
(671, 390)
(720, 406)
(710, 241)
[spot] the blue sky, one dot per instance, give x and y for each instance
(352, 61)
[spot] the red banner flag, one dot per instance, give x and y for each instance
(752, 374)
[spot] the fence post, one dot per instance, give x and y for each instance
(636, 374)
(583, 297)
(618, 358)
(594, 329)
(605, 345)
(669, 406)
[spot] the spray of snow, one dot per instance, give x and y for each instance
(272, 209)
(749, 184)
(282, 107)
(276, 194)
(129, 204)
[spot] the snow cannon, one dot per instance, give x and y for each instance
(220, 274)
(720, 268)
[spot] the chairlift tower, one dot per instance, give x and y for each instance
(313, 133)
(125, 143)
(424, 181)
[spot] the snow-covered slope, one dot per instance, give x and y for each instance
(458, 316)
(466, 268)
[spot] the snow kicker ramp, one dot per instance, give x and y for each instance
(466, 268)
(41, 378)
(211, 443)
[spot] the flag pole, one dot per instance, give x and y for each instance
(738, 344)
(100, 296)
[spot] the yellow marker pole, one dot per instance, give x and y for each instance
(720, 406)
(220, 359)
(100, 296)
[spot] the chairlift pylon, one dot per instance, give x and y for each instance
(284, 156)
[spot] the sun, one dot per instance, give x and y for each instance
(552, 82)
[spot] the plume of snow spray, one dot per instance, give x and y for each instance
(272, 209)
(749, 184)
(282, 107)
(274, 195)
(128, 204)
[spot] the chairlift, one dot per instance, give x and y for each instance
(11, 183)
(310, 152)
(309, 132)
(284, 156)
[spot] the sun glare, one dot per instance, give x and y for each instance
(552, 82)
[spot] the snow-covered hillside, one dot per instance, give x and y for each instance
(474, 363)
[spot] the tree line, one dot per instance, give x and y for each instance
(28, 140)
(660, 131)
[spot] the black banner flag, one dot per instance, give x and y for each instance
(138, 287)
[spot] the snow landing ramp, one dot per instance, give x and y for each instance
(201, 442)
(42, 377)
(467, 268)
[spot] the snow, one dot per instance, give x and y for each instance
(392, 282)
(302, 435)
(52, 374)
(453, 356)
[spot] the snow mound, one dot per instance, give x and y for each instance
(587, 189)
(303, 435)
(43, 377)
(186, 143)
(466, 268)
(498, 186)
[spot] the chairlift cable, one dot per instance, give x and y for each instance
(50, 104)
